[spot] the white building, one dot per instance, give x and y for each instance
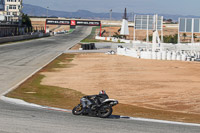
(11, 9)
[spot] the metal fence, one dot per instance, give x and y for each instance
(12, 29)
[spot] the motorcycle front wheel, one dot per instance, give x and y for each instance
(105, 111)
(78, 110)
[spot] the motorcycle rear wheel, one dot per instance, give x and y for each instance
(78, 110)
(105, 111)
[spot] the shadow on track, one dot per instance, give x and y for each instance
(118, 117)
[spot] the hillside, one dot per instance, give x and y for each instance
(32, 10)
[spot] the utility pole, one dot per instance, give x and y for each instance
(133, 16)
(47, 11)
(110, 22)
(20, 14)
(133, 25)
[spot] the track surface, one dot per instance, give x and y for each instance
(19, 60)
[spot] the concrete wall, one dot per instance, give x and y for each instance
(22, 37)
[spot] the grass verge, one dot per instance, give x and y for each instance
(32, 91)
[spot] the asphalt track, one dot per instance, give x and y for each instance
(19, 60)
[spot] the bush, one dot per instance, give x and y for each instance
(168, 39)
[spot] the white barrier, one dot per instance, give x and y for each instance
(169, 55)
(178, 57)
(154, 55)
(173, 55)
(146, 55)
(113, 39)
(159, 55)
(183, 57)
(164, 55)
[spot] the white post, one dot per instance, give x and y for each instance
(147, 39)
(47, 11)
(134, 28)
(156, 22)
(110, 22)
(179, 31)
(192, 31)
(162, 30)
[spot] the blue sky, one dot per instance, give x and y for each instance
(180, 7)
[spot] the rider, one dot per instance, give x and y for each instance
(93, 99)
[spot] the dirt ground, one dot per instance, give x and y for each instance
(140, 34)
(162, 85)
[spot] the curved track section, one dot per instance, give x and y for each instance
(19, 60)
(21, 119)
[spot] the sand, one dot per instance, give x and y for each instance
(164, 85)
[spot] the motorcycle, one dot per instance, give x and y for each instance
(102, 110)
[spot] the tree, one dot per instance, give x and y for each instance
(184, 35)
(171, 38)
(168, 39)
(195, 36)
(26, 21)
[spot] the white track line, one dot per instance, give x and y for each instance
(164, 122)
(23, 103)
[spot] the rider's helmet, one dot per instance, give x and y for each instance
(102, 92)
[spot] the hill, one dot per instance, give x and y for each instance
(32, 10)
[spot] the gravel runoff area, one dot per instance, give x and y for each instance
(163, 85)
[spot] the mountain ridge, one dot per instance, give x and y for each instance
(33, 10)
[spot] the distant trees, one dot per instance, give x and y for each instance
(168, 39)
(171, 39)
(26, 21)
(195, 36)
(169, 21)
(184, 35)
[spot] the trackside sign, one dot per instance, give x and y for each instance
(58, 22)
(73, 22)
(88, 23)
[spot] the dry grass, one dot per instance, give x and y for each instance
(32, 91)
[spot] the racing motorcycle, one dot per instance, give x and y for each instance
(102, 110)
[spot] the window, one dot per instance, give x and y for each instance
(15, 13)
(12, 7)
(13, 0)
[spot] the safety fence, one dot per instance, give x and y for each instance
(11, 30)
(23, 37)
